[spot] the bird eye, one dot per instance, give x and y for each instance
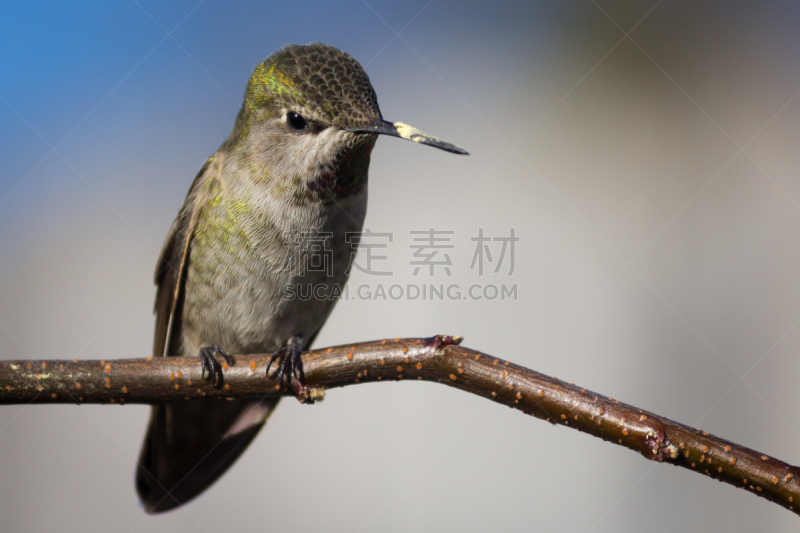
(296, 122)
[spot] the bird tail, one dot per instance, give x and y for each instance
(189, 445)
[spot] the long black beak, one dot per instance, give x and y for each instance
(404, 131)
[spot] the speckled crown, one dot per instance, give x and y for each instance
(320, 78)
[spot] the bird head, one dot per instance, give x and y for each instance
(311, 110)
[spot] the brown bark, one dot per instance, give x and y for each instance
(438, 359)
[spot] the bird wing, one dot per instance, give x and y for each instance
(188, 446)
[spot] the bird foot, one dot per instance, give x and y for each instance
(290, 364)
(212, 367)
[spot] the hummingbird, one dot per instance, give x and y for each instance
(290, 180)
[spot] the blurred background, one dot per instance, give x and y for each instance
(645, 154)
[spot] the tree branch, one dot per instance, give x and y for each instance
(438, 359)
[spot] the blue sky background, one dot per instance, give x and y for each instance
(645, 153)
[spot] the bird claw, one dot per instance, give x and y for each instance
(211, 366)
(291, 362)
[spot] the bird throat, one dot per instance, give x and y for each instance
(347, 177)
